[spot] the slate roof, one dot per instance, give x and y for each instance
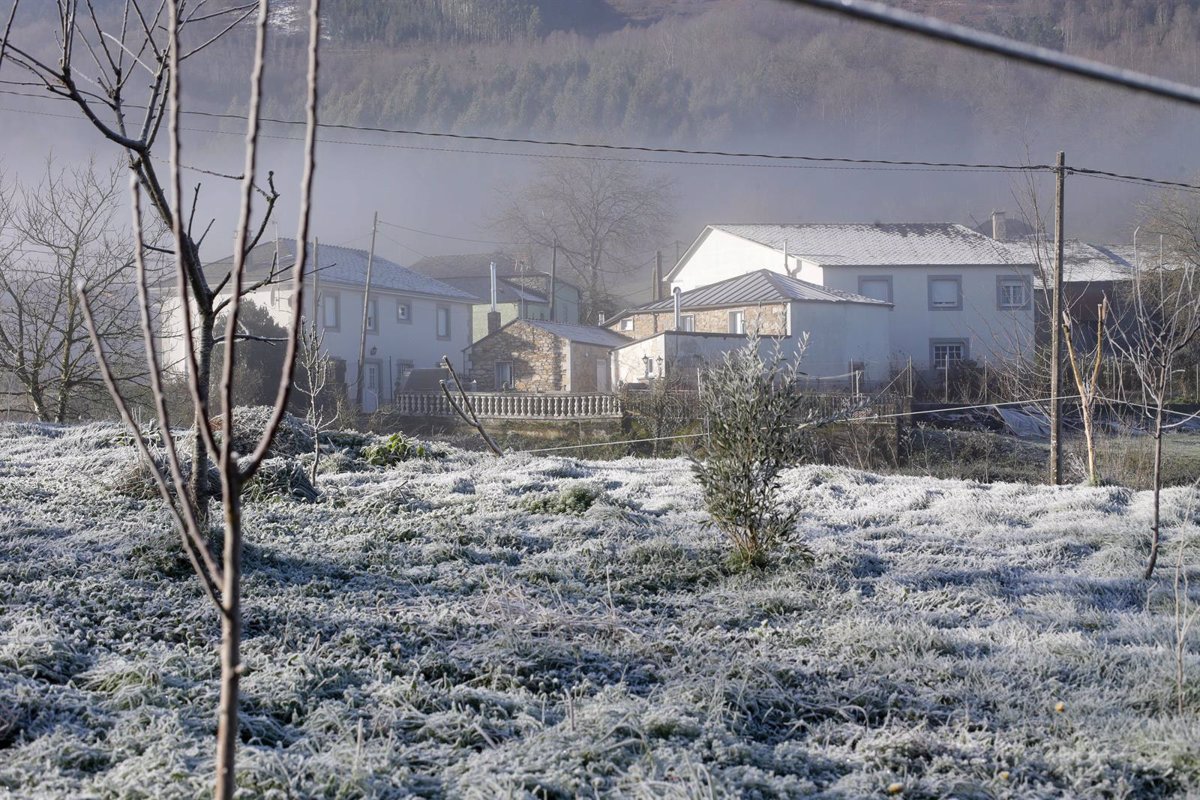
(466, 265)
(584, 334)
(506, 292)
(343, 265)
(882, 244)
(762, 286)
(1084, 262)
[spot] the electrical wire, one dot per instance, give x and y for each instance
(971, 39)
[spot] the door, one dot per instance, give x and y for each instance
(370, 386)
(602, 377)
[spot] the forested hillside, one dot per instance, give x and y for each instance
(676, 70)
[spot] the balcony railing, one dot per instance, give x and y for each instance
(512, 405)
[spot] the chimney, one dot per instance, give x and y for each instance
(678, 320)
(999, 226)
(493, 286)
(600, 317)
(493, 321)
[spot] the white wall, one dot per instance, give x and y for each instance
(838, 333)
(415, 341)
(722, 255)
(993, 334)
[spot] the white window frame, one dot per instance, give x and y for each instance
(403, 311)
(627, 324)
(737, 322)
(963, 346)
(687, 323)
(443, 313)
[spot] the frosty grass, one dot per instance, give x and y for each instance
(430, 630)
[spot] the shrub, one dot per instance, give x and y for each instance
(752, 408)
(394, 449)
(573, 498)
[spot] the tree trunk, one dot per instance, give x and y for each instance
(1155, 528)
(231, 636)
(199, 476)
(1089, 440)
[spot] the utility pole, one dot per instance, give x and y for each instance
(362, 336)
(656, 289)
(1056, 325)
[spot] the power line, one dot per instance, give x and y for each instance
(445, 235)
(627, 148)
(777, 160)
(961, 35)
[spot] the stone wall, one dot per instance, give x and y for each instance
(772, 321)
(537, 356)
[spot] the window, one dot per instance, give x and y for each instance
(372, 316)
(329, 311)
(504, 374)
(371, 377)
(877, 287)
(1012, 292)
(945, 352)
(687, 322)
(737, 322)
(945, 291)
(627, 324)
(403, 311)
(443, 322)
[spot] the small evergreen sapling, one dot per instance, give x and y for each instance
(753, 409)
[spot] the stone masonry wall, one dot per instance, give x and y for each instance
(536, 355)
(771, 318)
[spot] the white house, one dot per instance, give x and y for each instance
(412, 320)
(956, 293)
(847, 332)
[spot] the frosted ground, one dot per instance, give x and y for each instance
(450, 628)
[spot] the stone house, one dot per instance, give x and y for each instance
(847, 333)
(529, 355)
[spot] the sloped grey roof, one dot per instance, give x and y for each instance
(882, 244)
(465, 265)
(1084, 262)
(584, 334)
(480, 286)
(342, 265)
(762, 286)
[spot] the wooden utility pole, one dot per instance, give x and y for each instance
(362, 336)
(1056, 343)
(656, 289)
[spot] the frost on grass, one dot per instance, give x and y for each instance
(549, 627)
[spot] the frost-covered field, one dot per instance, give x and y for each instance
(423, 632)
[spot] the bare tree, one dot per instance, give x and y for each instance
(1087, 383)
(55, 235)
(118, 71)
(315, 368)
(221, 582)
(602, 215)
(1163, 322)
